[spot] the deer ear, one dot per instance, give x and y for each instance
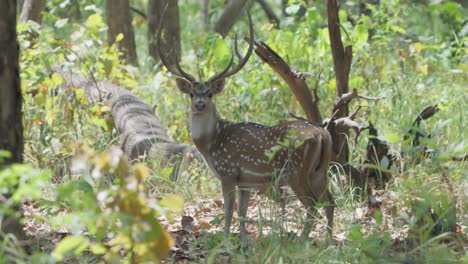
(217, 86)
(183, 85)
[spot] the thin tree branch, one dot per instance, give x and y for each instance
(272, 17)
(139, 12)
(347, 97)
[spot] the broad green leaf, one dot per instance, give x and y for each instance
(70, 245)
(4, 154)
(221, 49)
(292, 9)
(61, 22)
(101, 123)
(119, 37)
(141, 172)
(392, 137)
(97, 249)
(95, 22)
(355, 233)
(56, 79)
(173, 202)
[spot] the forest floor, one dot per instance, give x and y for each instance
(198, 234)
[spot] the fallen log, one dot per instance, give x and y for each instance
(142, 134)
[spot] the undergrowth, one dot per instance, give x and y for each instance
(411, 61)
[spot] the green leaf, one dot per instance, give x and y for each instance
(220, 49)
(95, 22)
(362, 34)
(355, 233)
(4, 155)
(173, 202)
(101, 123)
(292, 9)
(70, 245)
(97, 249)
(392, 137)
(119, 37)
(56, 79)
(378, 217)
(60, 23)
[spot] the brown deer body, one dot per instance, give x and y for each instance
(248, 156)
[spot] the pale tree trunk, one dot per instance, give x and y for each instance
(229, 16)
(11, 127)
(32, 10)
(120, 21)
(20, 5)
(206, 14)
(170, 36)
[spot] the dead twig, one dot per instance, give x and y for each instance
(347, 97)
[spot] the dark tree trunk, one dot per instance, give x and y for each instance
(170, 38)
(229, 16)
(120, 21)
(342, 58)
(11, 126)
(32, 10)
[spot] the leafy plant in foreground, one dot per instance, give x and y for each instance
(119, 218)
(18, 182)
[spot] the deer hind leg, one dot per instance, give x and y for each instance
(310, 216)
(320, 190)
(309, 193)
(329, 212)
(308, 200)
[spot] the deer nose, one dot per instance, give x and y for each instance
(200, 105)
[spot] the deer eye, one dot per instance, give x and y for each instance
(210, 95)
(191, 95)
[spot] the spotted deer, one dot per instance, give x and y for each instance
(247, 156)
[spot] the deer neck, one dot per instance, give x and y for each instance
(204, 129)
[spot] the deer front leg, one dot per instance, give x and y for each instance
(229, 196)
(242, 206)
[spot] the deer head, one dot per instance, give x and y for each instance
(202, 92)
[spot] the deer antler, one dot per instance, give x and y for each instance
(242, 61)
(178, 71)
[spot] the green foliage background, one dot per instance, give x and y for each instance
(412, 53)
